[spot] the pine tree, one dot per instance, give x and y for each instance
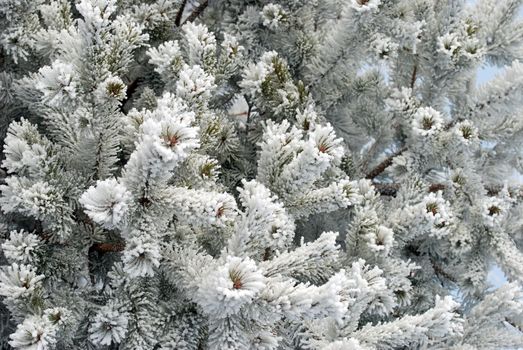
(260, 175)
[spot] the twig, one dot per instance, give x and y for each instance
(249, 110)
(131, 89)
(239, 114)
(107, 247)
(436, 187)
(440, 271)
(179, 15)
(413, 77)
(383, 165)
(101, 248)
(3, 176)
(391, 189)
(197, 11)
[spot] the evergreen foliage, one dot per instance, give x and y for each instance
(231, 174)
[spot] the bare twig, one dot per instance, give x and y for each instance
(179, 15)
(383, 165)
(391, 189)
(436, 187)
(107, 247)
(441, 271)
(241, 114)
(131, 89)
(101, 249)
(413, 77)
(197, 11)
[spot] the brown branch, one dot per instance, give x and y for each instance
(107, 247)
(131, 89)
(197, 11)
(391, 189)
(452, 123)
(440, 271)
(383, 165)
(179, 15)
(436, 187)
(101, 249)
(413, 77)
(239, 114)
(3, 176)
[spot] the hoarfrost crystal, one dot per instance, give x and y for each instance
(166, 58)
(35, 333)
(18, 281)
(108, 326)
(273, 15)
(230, 287)
(365, 5)
(141, 256)
(111, 88)
(21, 247)
(106, 203)
(435, 210)
(234, 174)
(427, 121)
(194, 84)
(57, 83)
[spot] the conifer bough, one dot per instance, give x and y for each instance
(231, 174)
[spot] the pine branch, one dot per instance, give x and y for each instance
(197, 11)
(383, 165)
